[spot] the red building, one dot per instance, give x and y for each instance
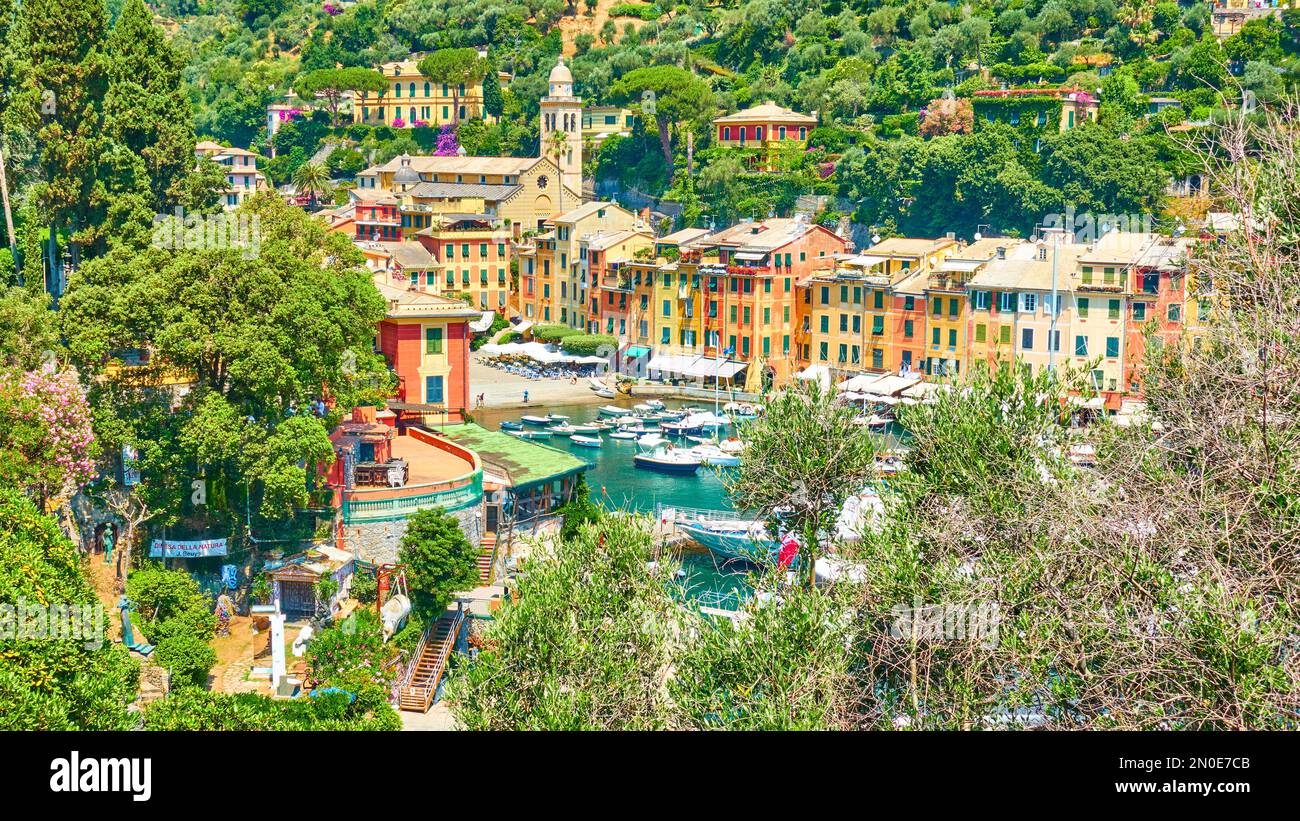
(1157, 303)
(426, 341)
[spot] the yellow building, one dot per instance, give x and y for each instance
(1097, 328)
(1011, 303)
(601, 122)
(555, 278)
(412, 99)
(523, 191)
(950, 269)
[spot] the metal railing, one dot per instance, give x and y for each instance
(378, 510)
(426, 692)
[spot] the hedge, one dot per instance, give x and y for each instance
(553, 333)
(588, 344)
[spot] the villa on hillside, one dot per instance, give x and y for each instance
(767, 127)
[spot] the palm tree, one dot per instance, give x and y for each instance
(314, 179)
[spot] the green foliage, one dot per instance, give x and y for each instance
(579, 511)
(352, 650)
(584, 645)
(54, 684)
(804, 457)
(439, 560)
(786, 666)
(365, 587)
(194, 709)
(262, 337)
(188, 659)
(553, 333)
(588, 344)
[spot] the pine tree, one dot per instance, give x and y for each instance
(145, 109)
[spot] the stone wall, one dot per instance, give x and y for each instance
(377, 542)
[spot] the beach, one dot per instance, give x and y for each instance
(501, 389)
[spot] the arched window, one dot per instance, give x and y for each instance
(726, 132)
(803, 133)
(758, 132)
(397, 89)
(413, 117)
(781, 133)
(426, 89)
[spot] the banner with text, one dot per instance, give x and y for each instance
(171, 549)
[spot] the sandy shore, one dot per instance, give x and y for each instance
(506, 390)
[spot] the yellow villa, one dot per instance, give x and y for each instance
(413, 99)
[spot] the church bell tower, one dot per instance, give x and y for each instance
(561, 132)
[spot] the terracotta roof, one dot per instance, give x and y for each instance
(767, 112)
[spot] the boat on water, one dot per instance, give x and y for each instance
(715, 456)
(654, 404)
(588, 430)
(530, 434)
(624, 435)
(651, 440)
(734, 538)
(586, 441)
(512, 426)
(667, 460)
(611, 410)
(562, 430)
(557, 417)
(538, 421)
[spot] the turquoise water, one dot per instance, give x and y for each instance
(615, 482)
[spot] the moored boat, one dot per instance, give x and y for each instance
(530, 434)
(611, 410)
(734, 538)
(563, 430)
(557, 417)
(537, 421)
(715, 456)
(624, 435)
(586, 441)
(512, 426)
(667, 460)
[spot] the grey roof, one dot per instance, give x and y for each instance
(456, 190)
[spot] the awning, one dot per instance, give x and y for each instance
(484, 322)
(749, 256)
(636, 351)
(670, 363)
(708, 366)
(866, 260)
(816, 373)
(523, 326)
(960, 266)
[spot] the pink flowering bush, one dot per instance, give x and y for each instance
(398, 122)
(448, 142)
(47, 444)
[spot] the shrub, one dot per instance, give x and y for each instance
(439, 559)
(194, 709)
(588, 344)
(365, 588)
(353, 649)
(553, 333)
(187, 657)
(170, 603)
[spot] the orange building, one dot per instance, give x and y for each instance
(426, 341)
(748, 276)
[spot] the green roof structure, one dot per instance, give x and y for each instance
(528, 463)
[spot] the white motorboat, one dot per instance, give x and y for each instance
(605, 393)
(586, 441)
(611, 410)
(557, 417)
(587, 430)
(624, 435)
(715, 456)
(563, 430)
(650, 441)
